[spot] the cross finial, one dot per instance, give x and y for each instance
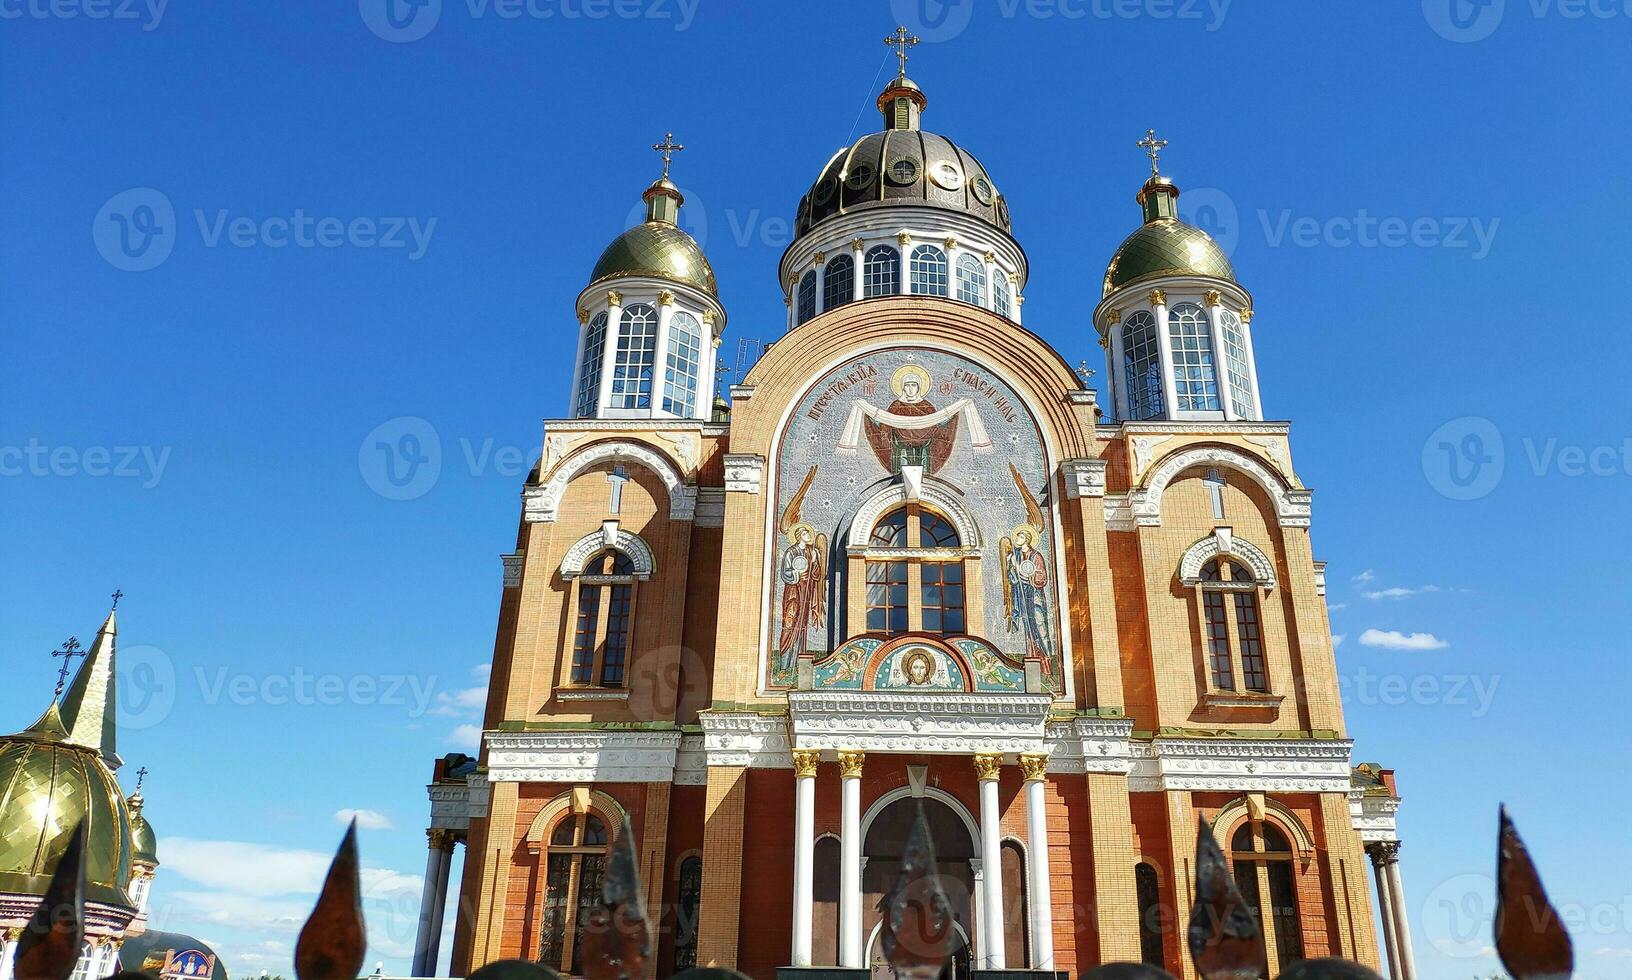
(901, 41)
(70, 650)
(1084, 371)
(117, 595)
(1152, 147)
(668, 148)
(141, 774)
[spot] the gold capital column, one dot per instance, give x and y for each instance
(988, 767)
(805, 762)
(850, 898)
(1041, 906)
(718, 914)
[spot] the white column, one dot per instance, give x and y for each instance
(8, 954)
(987, 766)
(1221, 360)
(442, 872)
(1385, 910)
(1041, 905)
(1252, 365)
(858, 248)
(1018, 300)
(792, 300)
(609, 353)
(1402, 926)
(850, 951)
(818, 265)
(804, 852)
(429, 923)
(1116, 366)
(660, 384)
(1170, 391)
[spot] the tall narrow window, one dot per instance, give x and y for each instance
(928, 271)
(1149, 892)
(690, 895)
(807, 296)
(637, 354)
(602, 628)
(1195, 379)
(971, 280)
(685, 359)
(887, 597)
(881, 271)
(574, 865)
(1235, 365)
(1232, 627)
(838, 281)
(1142, 366)
(1261, 847)
(1016, 938)
(1001, 300)
(915, 548)
(589, 369)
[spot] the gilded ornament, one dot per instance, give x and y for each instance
(990, 256)
(950, 243)
(1158, 297)
(805, 762)
(1246, 317)
(988, 765)
(1034, 765)
(665, 298)
(856, 244)
(850, 763)
(709, 317)
(583, 316)
(1211, 297)
(614, 298)
(905, 238)
(441, 838)
(818, 258)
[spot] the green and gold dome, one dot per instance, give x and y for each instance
(657, 247)
(1164, 245)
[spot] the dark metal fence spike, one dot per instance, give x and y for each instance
(1223, 933)
(1328, 969)
(50, 943)
(1530, 937)
(917, 934)
(1127, 971)
(617, 935)
(514, 970)
(334, 940)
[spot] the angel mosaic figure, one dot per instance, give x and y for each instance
(1025, 580)
(802, 570)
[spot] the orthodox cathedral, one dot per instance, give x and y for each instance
(913, 562)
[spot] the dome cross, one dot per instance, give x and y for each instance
(1153, 148)
(141, 775)
(901, 40)
(668, 148)
(70, 650)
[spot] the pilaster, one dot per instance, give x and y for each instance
(1115, 897)
(719, 912)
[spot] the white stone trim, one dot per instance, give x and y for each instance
(450, 805)
(1091, 745)
(542, 502)
(593, 543)
(691, 762)
(513, 565)
(1083, 478)
(1292, 507)
(904, 721)
(1222, 542)
(934, 492)
(710, 507)
(577, 756)
(742, 738)
(1241, 765)
(1374, 817)
(744, 472)
(1118, 512)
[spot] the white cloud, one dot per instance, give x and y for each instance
(1365, 576)
(1395, 640)
(1336, 606)
(1613, 952)
(1396, 592)
(1337, 639)
(466, 701)
(466, 736)
(366, 819)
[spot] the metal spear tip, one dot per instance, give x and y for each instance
(617, 935)
(1127, 971)
(917, 934)
(1223, 933)
(1328, 969)
(50, 943)
(1530, 937)
(334, 939)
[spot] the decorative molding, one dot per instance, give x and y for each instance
(710, 507)
(1242, 806)
(513, 564)
(581, 756)
(1222, 542)
(691, 762)
(1118, 512)
(743, 392)
(593, 543)
(805, 762)
(746, 739)
(1144, 448)
(542, 502)
(1083, 478)
(1211, 297)
(1158, 297)
(591, 694)
(744, 472)
(1374, 817)
(450, 805)
(1241, 765)
(851, 762)
(1082, 396)
(1090, 745)
(1292, 507)
(1034, 766)
(1274, 448)
(932, 491)
(989, 766)
(1320, 579)
(904, 721)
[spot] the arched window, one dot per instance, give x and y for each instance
(807, 296)
(838, 282)
(1235, 365)
(1142, 366)
(1195, 379)
(637, 354)
(574, 865)
(881, 271)
(689, 895)
(589, 369)
(606, 600)
(971, 280)
(1001, 300)
(82, 966)
(1232, 626)
(915, 549)
(1147, 886)
(928, 271)
(1261, 856)
(685, 360)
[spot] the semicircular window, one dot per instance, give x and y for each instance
(903, 171)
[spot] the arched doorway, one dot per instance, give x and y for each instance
(884, 838)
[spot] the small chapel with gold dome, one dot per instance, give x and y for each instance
(913, 562)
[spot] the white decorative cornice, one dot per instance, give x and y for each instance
(743, 738)
(593, 543)
(710, 507)
(1241, 765)
(1374, 817)
(935, 492)
(744, 472)
(579, 756)
(1083, 478)
(691, 762)
(1292, 507)
(1096, 745)
(1222, 542)
(904, 721)
(541, 502)
(513, 564)
(1118, 512)
(450, 805)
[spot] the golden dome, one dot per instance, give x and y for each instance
(144, 845)
(47, 786)
(1167, 247)
(656, 248)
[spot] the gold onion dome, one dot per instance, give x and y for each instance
(903, 164)
(1164, 245)
(658, 247)
(144, 844)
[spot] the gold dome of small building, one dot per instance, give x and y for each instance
(144, 845)
(1164, 245)
(657, 246)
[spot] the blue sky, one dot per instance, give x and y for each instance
(196, 431)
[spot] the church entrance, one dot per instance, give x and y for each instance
(955, 851)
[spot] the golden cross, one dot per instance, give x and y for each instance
(70, 650)
(1152, 147)
(117, 595)
(141, 775)
(668, 148)
(901, 41)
